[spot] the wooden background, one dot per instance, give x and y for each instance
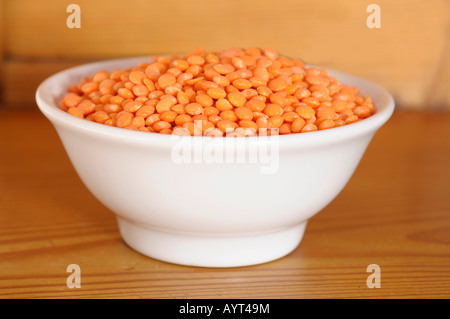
(409, 55)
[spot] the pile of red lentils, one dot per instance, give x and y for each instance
(237, 92)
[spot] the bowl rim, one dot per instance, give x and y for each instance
(59, 117)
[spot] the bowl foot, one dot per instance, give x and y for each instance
(209, 250)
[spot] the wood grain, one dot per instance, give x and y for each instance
(439, 95)
(394, 212)
(23, 78)
(405, 55)
(1, 52)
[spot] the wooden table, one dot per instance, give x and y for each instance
(395, 212)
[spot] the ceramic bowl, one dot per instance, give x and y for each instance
(192, 200)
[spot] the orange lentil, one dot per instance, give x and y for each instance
(288, 108)
(255, 105)
(278, 98)
(166, 80)
(244, 90)
(138, 121)
(132, 106)
(290, 116)
(141, 99)
(311, 120)
(309, 128)
(193, 81)
(302, 93)
(182, 118)
(112, 108)
(200, 117)
(273, 110)
(214, 132)
(242, 84)
(216, 93)
(249, 93)
(232, 76)
(145, 111)
(313, 102)
(221, 80)
(193, 109)
(181, 131)
(125, 93)
(305, 111)
(140, 90)
(101, 117)
(89, 87)
(229, 115)
(72, 99)
(243, 113)
(152, 119)
(164, 105)
(75, 112)
(210, 110)
(86, 107)
(278, 84)
(100, 76)
(237, 99)
(195, 70)
(110, 122)
(231, 88)
(195, 60)
(223, 105)
(260, 98)
(149, 84)
(326, 124)
(204, 100)
(211, 58)
(248, 124)
(182, 97)
(223, 68)
(161, 125)
(124, 119)
(286, 128)
(325, 112)
(361, 111)
(210, 73)
(214, 119)
(225, 125)
(257, 82)
(339, 122)
(178, 108)
(237, 62)
(169, 116)
(180, 64)
(262, 122)
(297, 125)
(275, 121)
(261, 73)
(351, 119)
(129, 85)
(175, 72)
(166, 131)
(136, 77)
(264, 91)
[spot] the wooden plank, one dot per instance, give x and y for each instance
(23, 77)
(1, 51)
(403, 55)
(393, 212)
(438, 93)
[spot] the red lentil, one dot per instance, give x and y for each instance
(245, 90)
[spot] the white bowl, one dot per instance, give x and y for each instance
(210, 214)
